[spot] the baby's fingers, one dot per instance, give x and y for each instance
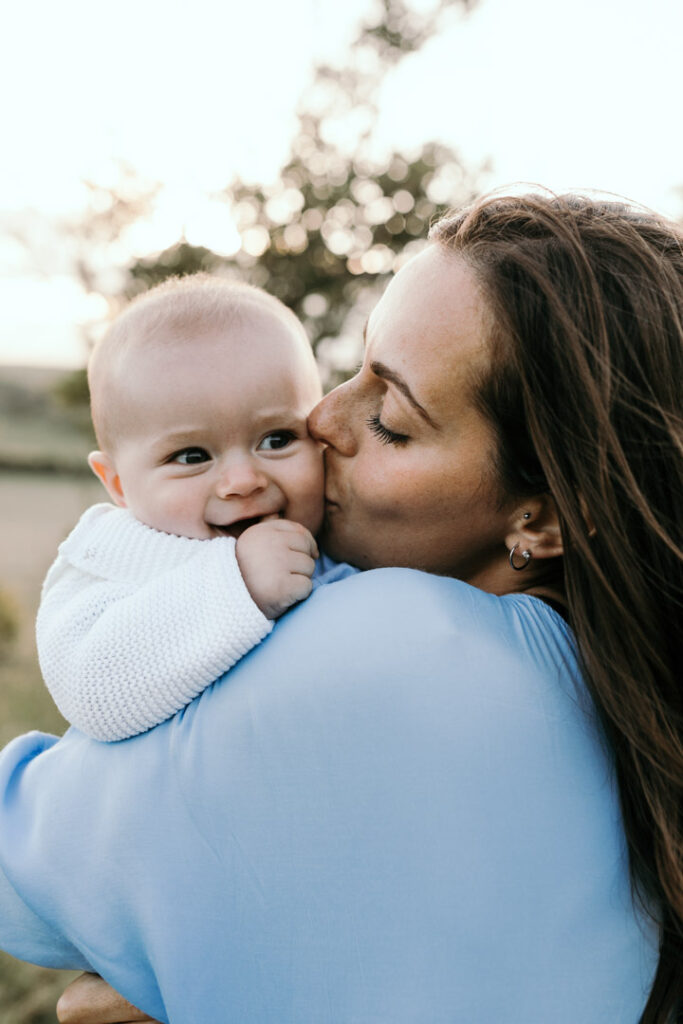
(302, 540)
(299, 587)
(288, 534)
(300, 563)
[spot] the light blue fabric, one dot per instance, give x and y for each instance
(397, 809)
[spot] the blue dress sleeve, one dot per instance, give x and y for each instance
(399, 807)
(28, 937)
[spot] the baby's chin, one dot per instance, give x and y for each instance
(202, 531)
(209, 531)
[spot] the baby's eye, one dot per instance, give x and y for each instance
(276, 440)
(190, 456)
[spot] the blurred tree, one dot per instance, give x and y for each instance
(72, 389)
(9, 622)
(336, 222)
(325, 237)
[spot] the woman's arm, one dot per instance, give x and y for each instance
(90, 1000)
(25, 934)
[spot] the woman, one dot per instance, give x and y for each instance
(431, 833)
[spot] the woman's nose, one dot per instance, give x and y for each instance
(332, 418)
(240, 478)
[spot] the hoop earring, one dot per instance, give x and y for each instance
(526, 555)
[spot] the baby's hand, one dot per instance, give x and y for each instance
(277, 559)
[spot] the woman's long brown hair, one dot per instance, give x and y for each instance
(585, 395)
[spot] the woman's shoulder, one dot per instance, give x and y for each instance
(394, 622)
(408, 598)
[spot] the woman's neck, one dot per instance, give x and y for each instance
(554, 596)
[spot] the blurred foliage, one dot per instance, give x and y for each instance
(334, 226)
(325, 235)
(399, 30)
(9, 621)
(72, 389)
(180, 259)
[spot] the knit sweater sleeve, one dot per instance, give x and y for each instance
(133, 624)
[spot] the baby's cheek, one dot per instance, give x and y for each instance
(310, 473)
(187, 504)
(312, 496)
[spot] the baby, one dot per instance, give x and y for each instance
(200, 393)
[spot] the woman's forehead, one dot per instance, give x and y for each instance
(431, 325)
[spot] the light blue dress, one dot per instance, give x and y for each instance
(397, 809)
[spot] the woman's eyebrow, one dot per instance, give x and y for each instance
(380, 370)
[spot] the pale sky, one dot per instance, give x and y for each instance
(584, 94)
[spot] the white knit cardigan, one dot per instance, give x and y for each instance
(134, 623)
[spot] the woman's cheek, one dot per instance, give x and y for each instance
(391, 495)
(404, 477)
(375, 487)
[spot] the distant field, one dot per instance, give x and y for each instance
(36, 428)
(36, 513)
(37, 510)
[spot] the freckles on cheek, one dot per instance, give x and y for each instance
(388, 494)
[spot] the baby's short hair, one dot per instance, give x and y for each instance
(180, 306)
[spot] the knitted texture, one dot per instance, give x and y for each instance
(134, 623)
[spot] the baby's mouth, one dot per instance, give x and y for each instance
(237, 528)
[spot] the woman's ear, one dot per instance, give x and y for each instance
(104, 469)
(536, 528)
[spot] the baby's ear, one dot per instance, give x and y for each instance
(104, 469)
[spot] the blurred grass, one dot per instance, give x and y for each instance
(37, 510)
(28, 994)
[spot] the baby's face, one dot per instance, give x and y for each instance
(215, 434)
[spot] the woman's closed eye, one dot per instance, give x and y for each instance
(385, 435)
(276, 440)
(190, 456)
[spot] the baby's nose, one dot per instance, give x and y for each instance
(240, 478)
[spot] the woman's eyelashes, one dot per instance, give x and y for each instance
(385, 435)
